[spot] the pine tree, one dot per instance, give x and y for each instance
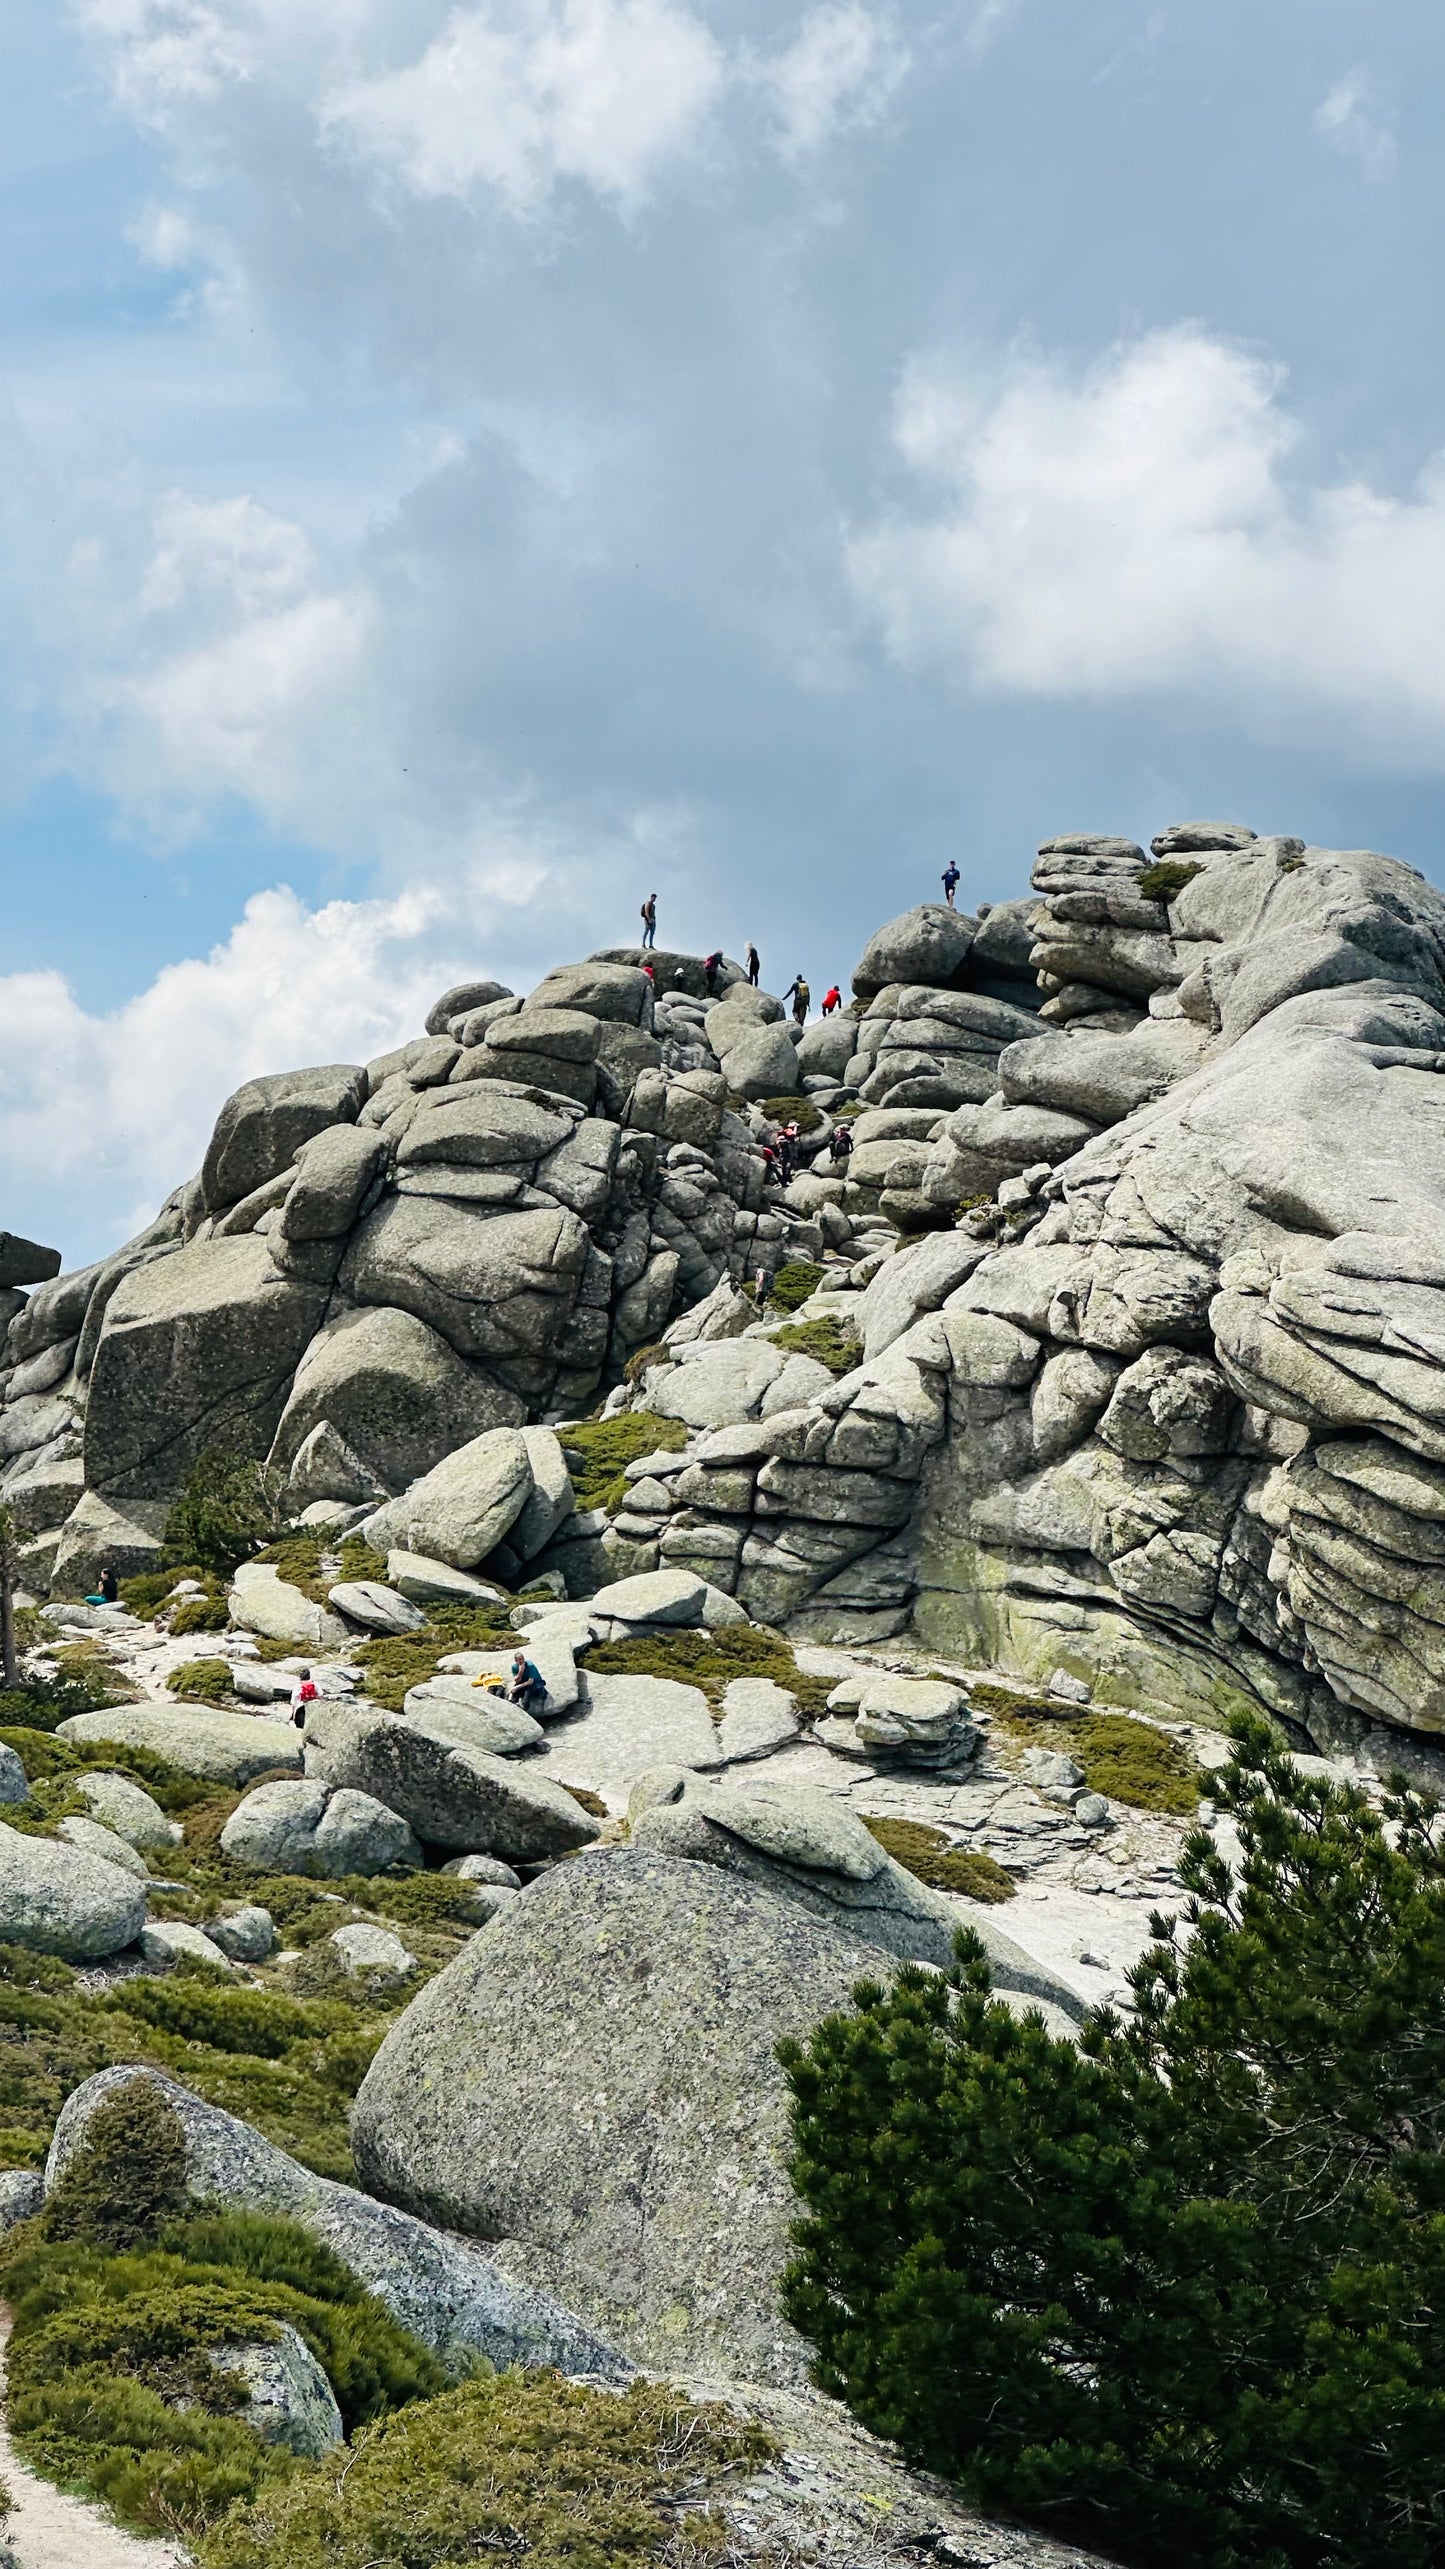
(1177, 2291)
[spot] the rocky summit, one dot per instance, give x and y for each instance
(899, 1446)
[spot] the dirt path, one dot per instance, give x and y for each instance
(48, 2530)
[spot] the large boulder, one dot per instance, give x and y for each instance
(228, 1748)
(620, 994)
(452, 1796)
(262, 1601)
(394, 1391)
(98, 1535)
(260, 1129)
(594, 2081)
(629, 1725)
(65, 1900)
(308, 1828)
(500, 1287)
(198, 1351)
(462, 997)
(763, 1062)
(24, 1262)
(930, 944)
(460, 1511)
(119, 1803)
(451, 2297)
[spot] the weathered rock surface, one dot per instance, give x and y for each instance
(309, 1828)
(123, 1806)
(461, 1510)
(58, 1899)
(617, 2118)
(228, 1747)
(451, 1796)
(454, 2299)
(289, 2401)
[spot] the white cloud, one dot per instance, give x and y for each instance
(838, 76)
(605, 92)
(1351, 121)
(1135, 532)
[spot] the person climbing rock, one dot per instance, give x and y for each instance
(801, 996)
(711, 967)
(649, 920)
(752, 962)
(951, 879)
(840, 1145)
(832, 1001)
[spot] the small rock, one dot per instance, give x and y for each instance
(376, 1608)
(244, 1935)
(1073, 1690)
(371, 1953)
(426, 1582)
(164, 1942)
(758, 1716)
(290, 2402)
(1050, 1772)
(14, 1782)
(55, 1899)
(22, 2192)
(484, 1868)
(654, 1596)
(92, 1839)
(1092, 1811)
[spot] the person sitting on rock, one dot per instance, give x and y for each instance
(107, 1590)
(528, 1687)
(303, 1696)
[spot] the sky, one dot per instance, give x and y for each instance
(464, 467)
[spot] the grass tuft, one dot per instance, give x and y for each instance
(1166, 878)
(202, 1681)
(1127, 1759)
(599, 1451)
(829, 1340)
(927, 1854)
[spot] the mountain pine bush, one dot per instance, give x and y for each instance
(1177, 2292)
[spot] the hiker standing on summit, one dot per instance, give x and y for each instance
(649, 920)
(800, 995)
(951, 880)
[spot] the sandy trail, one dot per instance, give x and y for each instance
(48, 2530)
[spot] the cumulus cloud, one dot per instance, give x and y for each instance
(838, 76)
(604, 92)
(1137, 532)
(1350, 119)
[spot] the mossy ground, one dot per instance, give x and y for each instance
(120, 2292)
(710, 1660)
(1166, 878)
(793, 1110)
(315, 1562)
(392, 1666)
(202, 1681)
(794, 1283)
(927, 1854)
(1130, 1761)
(599, 1451)
(828, 1340)
(520, 2466)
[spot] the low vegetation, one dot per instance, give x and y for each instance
(410, 1659)
(829, 1341)
(1166, 879)
(521, 2466)
(928, 1854)
(710, 1661)
(599, 1451)
(89, 1684)
(1173, 2292)
(230, 1506)
(202, 1681)
(1129, 1760)
(794, 1283)
(121, 2294)
(793, 1110)
(315, 1562)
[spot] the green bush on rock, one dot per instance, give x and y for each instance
(926, 1853)
(1176, 2292)
(794, 1283)
(829, 1341)
(710, 1661)
(525, 2466)
(599, 1451)
(202, 1681)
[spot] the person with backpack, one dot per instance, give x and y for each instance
(801, 997)
(840, 1146)
(649, 920)
(832, 1001)
(303, 1695)
(951, 880)
(752, 962)
(711, 967)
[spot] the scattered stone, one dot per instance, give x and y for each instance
(655, 1597)
(262, 1601)
(244, 1935)
(425, 1582)
(483, 1868)
(460, 1511)
(376, 1608)
(289, 2400)
(228, 1748)
(371, 1954)
(14, 1782)
(166, 1939)
(58, 1899)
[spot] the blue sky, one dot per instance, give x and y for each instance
(465, 466)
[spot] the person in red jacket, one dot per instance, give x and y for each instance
(832, 1001)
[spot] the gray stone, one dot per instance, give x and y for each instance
(262, 1601)
(619, 994)
(460, 1510)
(758, 1716)
(450, 2296)
(376, 1608)
(308, 1828)
(99, 1535)
(261, 1128)
(451, 1796)
(24, 1262)
(91, 1839)
(164, 1942)
(553, 1497)
(462, 997)
(545, 2107)
(41, 1497)
(563, 1034)
(928, 945)
(289, 2401)
(631, 1723)
(473, 1717)
(22, 2193)
(426, 1582)
(245, 1934)
(371, 1954)
(483, 1868)
(198, 1350)
(14, 1782)
(56, 1899)
(334, 1171)
(228, 1748)
(918, 1280)
(124, 1807)
(329, 1474)
(721, 1385)
(763, 1063)
(1049, 1771)
(397, 1394)
(500, 1287)
(658, 1596)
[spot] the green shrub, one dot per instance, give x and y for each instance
(1166, 878)
(1289, 863)
(228, 1508)
(525, 2466)
(639, 1366)
(84, 1682)
(150, 1588)
(198, 1614)
(1130, 1760)
(606, 1446)
(793, 1110)
(1176, 2291)
(793, 1284)
(128, 2175)
(298, 1559)
(829, 1340)
(395, 1665)
(202, 1681)
(710, 1660)
(927, 1853)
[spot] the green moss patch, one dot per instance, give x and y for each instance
(394, 1665)
(710, 1661)
(793, 1110)
(927, 1854)
(829, 1341)
(599, 1452)
(1165, 880)
(202, 1681)
(1128, 1760)
(315, 1562)
(794, 1282)
(523, 2466)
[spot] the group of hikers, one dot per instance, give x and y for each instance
(523, 1685)
(782, 1152)
(798, 992)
